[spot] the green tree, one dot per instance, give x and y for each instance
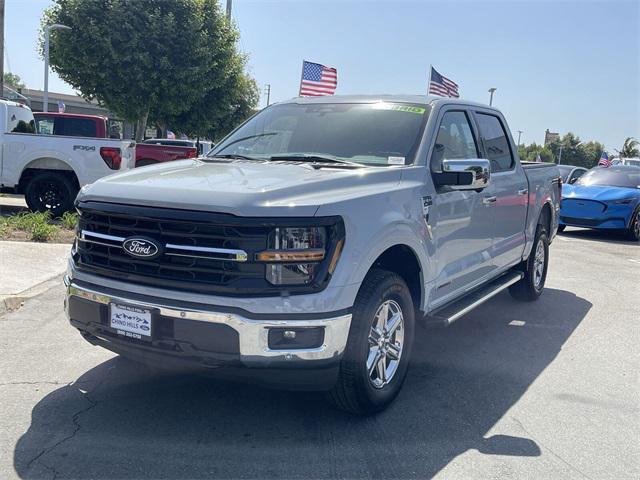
(629, 148)
(13, 80)
(575, 152)
(144, 57)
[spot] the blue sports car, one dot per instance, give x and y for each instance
(603, 198)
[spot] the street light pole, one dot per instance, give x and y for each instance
(47, 34)
(267, 90)
(519, 133)
(229, 10)
(491, 90)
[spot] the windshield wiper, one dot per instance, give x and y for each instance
(315, 159)
(236, 156)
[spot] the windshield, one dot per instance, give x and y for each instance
(375, 133)
(628, 177)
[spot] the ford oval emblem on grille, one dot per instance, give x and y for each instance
(140, 247)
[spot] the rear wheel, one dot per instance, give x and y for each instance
(634, 229)
(534, 269)
(376, 358)
(50, 192)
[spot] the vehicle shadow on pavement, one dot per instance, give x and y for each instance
(599, 236)
(123, 420)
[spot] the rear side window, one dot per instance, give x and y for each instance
(75, 127)
(496, 142)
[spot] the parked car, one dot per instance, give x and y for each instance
(54, 123)
(634, 162)
(571, 173)
(604, 198)
(49, 170)
(302, 251)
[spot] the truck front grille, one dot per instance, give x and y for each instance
(205, 254)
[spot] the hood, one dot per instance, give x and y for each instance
(239, 187)
(600, 193)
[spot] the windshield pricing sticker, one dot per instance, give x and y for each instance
(399, 108)
(395, 160)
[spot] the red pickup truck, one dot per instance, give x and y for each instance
(97, 126)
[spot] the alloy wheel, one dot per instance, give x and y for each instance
(538, 265)
(386, 341)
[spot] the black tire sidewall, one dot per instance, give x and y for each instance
(391, 288)
(541, 235)
(64, 184)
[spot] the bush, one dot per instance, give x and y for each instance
(41, 232)
(69, 220)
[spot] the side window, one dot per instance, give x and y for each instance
(496, 142)
(45, 126)
(75, 127)
(455, 139)
(576, 175)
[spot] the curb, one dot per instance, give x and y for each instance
(11, 303)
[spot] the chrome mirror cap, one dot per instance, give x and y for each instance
(465, 174)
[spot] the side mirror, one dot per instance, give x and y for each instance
(467, 174)
(573, 180)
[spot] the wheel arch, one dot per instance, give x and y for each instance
(46, 164)
(403, 260)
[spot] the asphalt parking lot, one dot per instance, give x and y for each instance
(542, 390)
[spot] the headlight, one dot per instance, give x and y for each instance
(624, 201)
(294, 254)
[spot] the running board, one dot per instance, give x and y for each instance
(451, 312)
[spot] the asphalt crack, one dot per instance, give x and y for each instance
(75, 419)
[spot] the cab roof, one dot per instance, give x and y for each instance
(427, 100)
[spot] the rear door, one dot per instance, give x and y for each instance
(510, 188)
(461, 223)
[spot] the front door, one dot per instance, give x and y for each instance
(461, 221)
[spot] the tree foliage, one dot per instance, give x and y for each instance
(13, 80)
(574, 151)
(630, 148)
(151, 59)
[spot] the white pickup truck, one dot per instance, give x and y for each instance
(49, 170)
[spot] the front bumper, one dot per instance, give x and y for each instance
(202, 336)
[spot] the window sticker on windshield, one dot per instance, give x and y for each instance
(395, 160)
(399, 108)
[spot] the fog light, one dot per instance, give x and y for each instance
(295, 338)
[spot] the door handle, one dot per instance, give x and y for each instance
(523, 191)
(489, 200)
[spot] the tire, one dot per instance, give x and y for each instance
(144, 162)
(561, 228)
(633, 233)
(382, 294)
(534, 268)
(50, 192)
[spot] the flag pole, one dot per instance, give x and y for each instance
(429, 84)
(301, 77)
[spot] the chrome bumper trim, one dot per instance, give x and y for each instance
(253, 334)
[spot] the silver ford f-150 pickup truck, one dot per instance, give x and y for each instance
(304, 248)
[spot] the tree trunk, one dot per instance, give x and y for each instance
(141, 126)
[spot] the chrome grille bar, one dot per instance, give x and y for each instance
(233, 255)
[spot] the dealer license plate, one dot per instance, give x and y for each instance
(130, 321)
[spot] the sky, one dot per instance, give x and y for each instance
(566, 66)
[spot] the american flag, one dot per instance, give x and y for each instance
(604, 160)
(441, 85)
(317, 80)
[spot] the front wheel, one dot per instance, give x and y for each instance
(534, 269)
(376, 358)
(634, 229)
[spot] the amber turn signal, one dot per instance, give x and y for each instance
(301, 256)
